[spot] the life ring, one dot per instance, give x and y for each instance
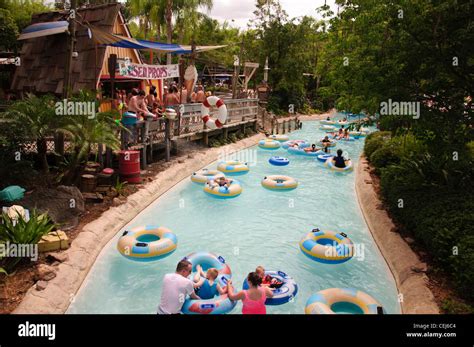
(204, 175)
(279, 182)
(330, 165)
(292, 143)
(269, 144)
(279, 138)
(341, 122)
(233, 167)
(321, 302)
(206, 109)
(214, 189)
(324, 157)
(327, 247)
(220, 304)
(279, 161)
(281, 295)
(147, 243)
(304, 151)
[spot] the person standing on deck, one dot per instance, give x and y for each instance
(172, 98)
(200, 96)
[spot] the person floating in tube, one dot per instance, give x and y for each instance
(223, 182)
(326, 142)
(339, 160)
(206, 284)
(267, 280)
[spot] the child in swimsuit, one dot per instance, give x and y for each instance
(207, 284)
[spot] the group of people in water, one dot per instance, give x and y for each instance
(205, 286)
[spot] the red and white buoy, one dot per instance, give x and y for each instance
(206, 108)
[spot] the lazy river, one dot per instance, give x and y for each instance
(259, 227)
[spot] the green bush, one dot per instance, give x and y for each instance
(439, 217)
(451, 306)
(374, 141)
(383, 157)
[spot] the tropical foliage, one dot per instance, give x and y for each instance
(21, 232)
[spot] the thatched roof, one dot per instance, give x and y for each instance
(43, 59)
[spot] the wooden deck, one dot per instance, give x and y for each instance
(163, 133)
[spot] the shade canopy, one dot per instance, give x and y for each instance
(44, 29)
(104, 38)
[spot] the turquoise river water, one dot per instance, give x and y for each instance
(260, 227)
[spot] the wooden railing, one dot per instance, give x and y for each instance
(189, 121)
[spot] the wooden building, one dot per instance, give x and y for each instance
(44, 58)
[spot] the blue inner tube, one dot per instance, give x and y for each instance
(279, 161)
(324, 157)
(281, 295)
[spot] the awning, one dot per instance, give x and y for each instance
(44, 29)
(107, 39)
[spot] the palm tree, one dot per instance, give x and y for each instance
(37, 116)
(85, 132)
(156, 12)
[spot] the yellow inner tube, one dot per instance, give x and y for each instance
(127, 244)
(324, 299)
(269, 144)
(232, 166)
(233, 190)
(279, 182)
(204, 175)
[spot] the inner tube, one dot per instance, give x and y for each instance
(327, 247)
(279, 161)
(205, 175)
(280, 138)
(324, 157)
(330, 165)
(327, 128)
(269, 144)
(327, 122)
(220, 304)
(279, 182)
(281, 295)
(358, 133)
(304, 151)
(233, 167)
(299, 143)
(147, 243)
(321, 302)
(215, 190)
